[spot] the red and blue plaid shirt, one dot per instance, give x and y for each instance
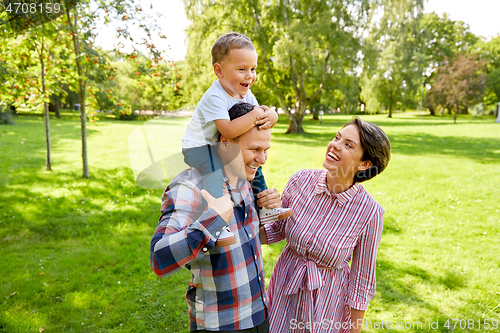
(227, 289)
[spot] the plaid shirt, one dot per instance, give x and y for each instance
(227, 289)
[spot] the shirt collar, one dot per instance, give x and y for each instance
(342, 197)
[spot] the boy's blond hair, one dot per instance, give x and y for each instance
(227, 42)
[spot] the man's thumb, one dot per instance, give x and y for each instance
(207, 196)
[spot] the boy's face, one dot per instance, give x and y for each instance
(236, 73)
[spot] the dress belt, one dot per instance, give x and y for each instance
(306, 274)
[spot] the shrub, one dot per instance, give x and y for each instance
(6, 117)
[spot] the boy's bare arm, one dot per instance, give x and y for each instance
(236, 127)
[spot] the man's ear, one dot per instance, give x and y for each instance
(224, 143)
(218, 70)
(365, 165)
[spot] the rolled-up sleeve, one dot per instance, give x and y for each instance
(186, 229)
(362, 282)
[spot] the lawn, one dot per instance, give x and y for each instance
(75, 252)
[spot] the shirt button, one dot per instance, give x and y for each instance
(205, 249)
(255, 256)
(217, 233)
(250, 236)
(260, 278)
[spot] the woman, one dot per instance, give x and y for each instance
(312, 287)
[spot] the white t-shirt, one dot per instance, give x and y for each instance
(214, 105)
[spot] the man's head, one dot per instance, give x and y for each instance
(253, 146)
(235, 61)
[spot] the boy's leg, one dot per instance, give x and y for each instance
(206, 160)
(267, 215)
(258, 184)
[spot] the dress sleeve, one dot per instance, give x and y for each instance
(362, 282)
(186, 230)
(275, 231)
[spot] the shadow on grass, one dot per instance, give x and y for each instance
(396, 285)
(84, 258)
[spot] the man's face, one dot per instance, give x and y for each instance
(253, 146)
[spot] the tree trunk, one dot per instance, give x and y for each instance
(295, 119)
(48, 163)
(82, 83)
(56, 106)
(315, 114)
(295, 125)
(390, 111)
(432, 110)
(455, 115)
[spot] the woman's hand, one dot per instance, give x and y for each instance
(269, 198)
(356, 319)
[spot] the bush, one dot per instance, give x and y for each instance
(477, 110)
(6, 117)
(122, 115)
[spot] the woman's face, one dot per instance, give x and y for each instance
(344, 153)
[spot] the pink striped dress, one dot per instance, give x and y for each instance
(312, 286)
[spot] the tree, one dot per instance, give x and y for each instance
(393, 62)
(81, 20)
(147, 84)
(442, 39)
(302, 45)
(490, 52)
(35, 59)
(459, 83)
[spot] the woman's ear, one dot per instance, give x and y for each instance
(218, 70)
(365, 165)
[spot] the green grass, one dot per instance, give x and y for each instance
(76, 251)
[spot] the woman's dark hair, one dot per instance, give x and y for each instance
(376, 146)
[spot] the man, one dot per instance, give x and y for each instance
(227, 290)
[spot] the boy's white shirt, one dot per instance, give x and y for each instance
(214, 105)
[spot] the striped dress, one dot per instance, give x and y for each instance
(312, 286)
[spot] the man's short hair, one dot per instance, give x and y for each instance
(227, 42)
(238, 110)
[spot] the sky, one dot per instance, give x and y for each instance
(481, 15)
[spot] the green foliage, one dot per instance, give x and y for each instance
(443, 38)
(490, 52)
(143, 84)
(394, 61)
(22, 57)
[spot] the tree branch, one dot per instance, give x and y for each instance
(323, 79)
(263, 38)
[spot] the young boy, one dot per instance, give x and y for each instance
(235, 61)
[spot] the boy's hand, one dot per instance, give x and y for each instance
(269, 199)
(263, 120)
(267, 119)
(223, 205)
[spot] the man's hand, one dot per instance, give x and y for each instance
(223, 205)
(269, 198)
